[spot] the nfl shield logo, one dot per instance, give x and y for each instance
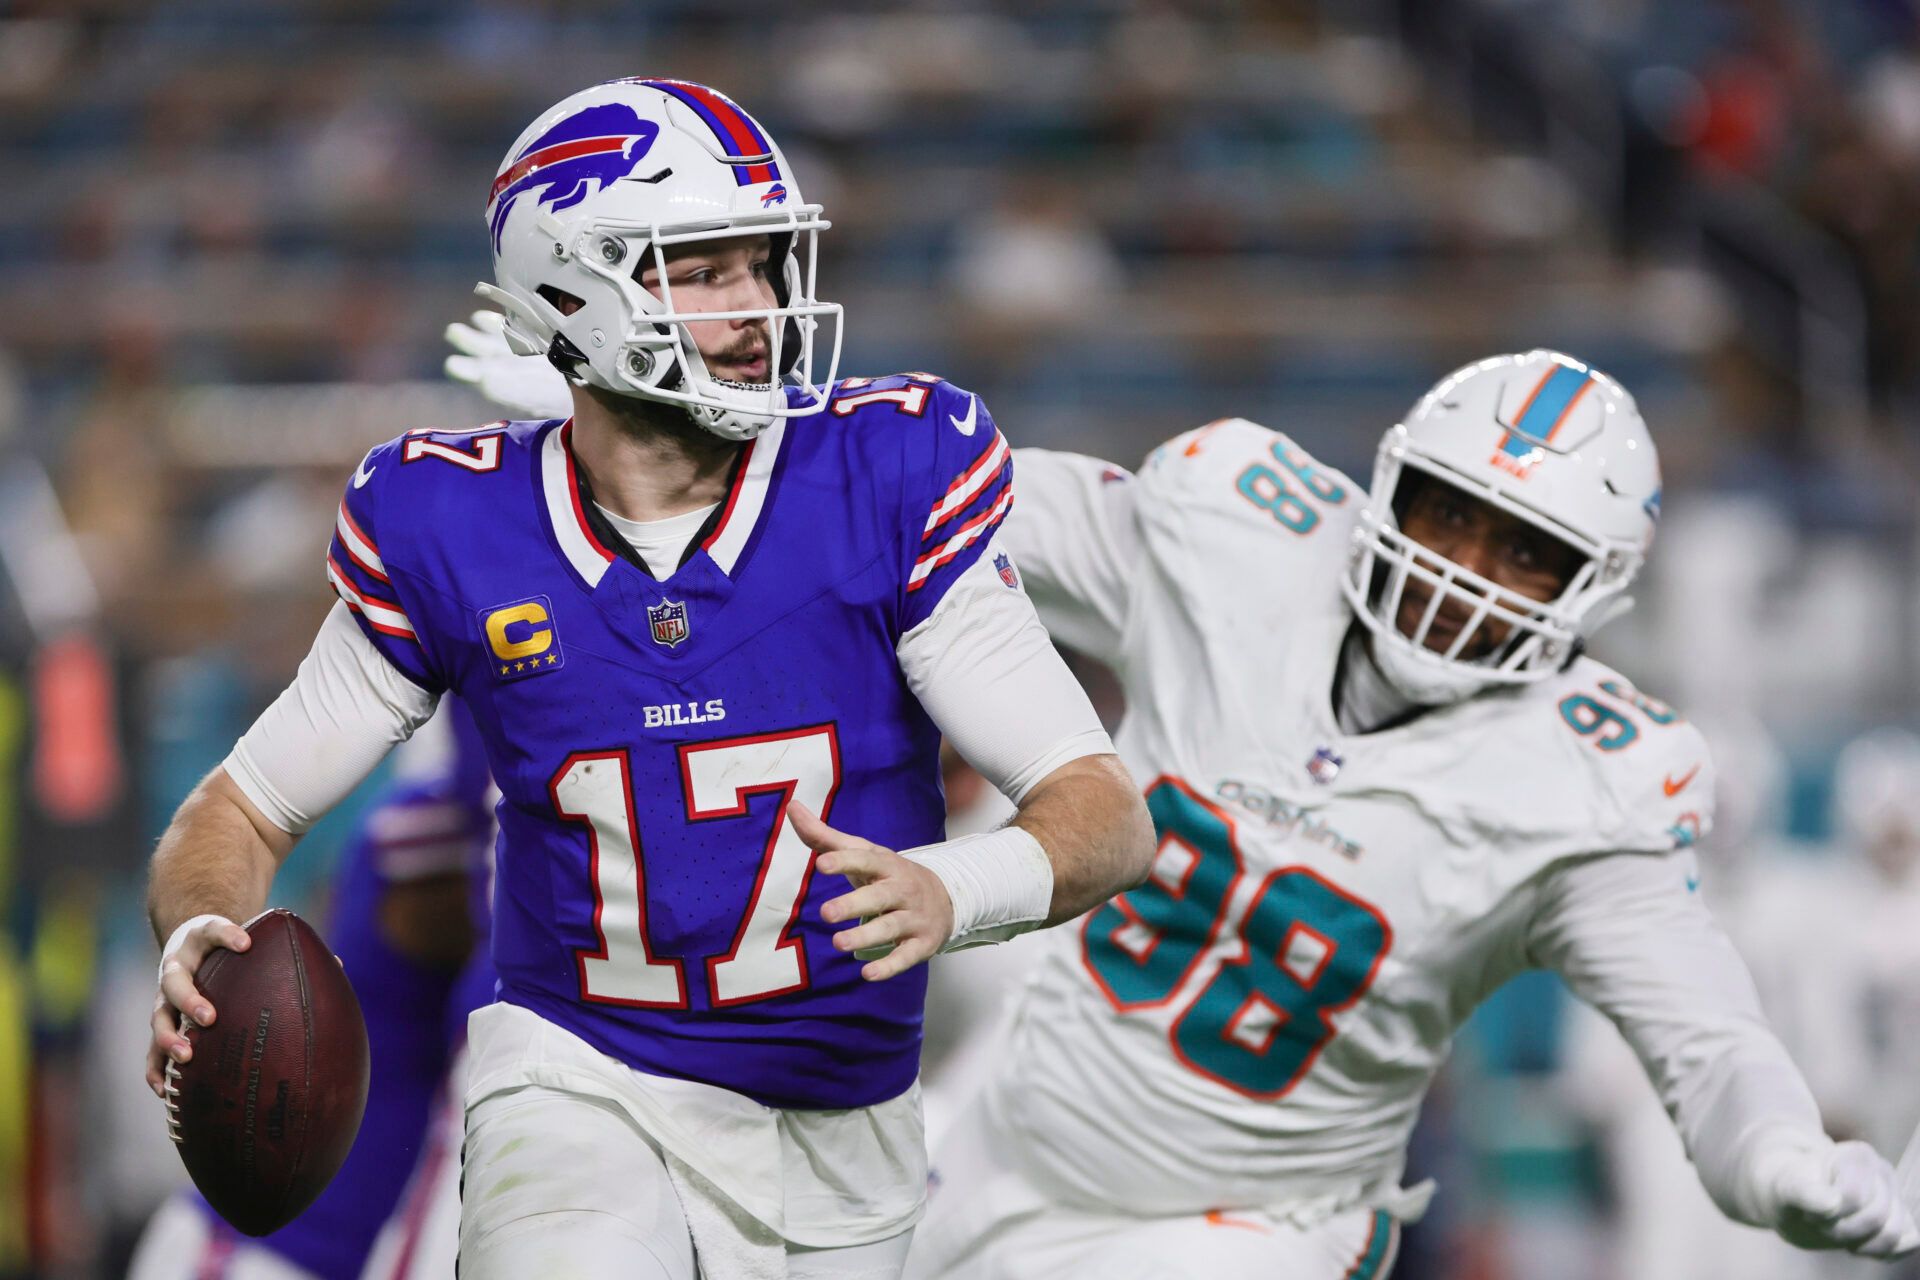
(668, 622)
(1325, 765)
(1008, 574)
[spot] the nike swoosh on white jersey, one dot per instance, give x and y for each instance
(966, 424)
(362, 474)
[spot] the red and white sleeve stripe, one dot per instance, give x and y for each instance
(383, 616)
(360, 548)
(969, 533)
(970, 483)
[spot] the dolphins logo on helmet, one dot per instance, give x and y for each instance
(597, 146)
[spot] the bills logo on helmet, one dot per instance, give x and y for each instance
(776, 194)
(668, 622)
(583, 154)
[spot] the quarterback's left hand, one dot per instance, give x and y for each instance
(904, 908)
(1843, 1196)
(526, 386)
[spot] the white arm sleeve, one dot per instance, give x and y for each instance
(985, 670)
(1074, 536)
(344, 711)
(1633, 941)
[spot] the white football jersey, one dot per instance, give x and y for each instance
(1258, 1023)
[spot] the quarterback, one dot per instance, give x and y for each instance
(1385, 779)
(718, 606)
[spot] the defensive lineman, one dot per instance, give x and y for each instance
(718, 605)
(1385, 780)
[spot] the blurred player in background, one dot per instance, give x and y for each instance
(1386, 780)
(403, 924)
(718, 605)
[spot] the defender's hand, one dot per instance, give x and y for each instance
(526, 386)
(900, 903)
(1843, 1197)
(186, 950)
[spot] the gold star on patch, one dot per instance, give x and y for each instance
(503, 668)
(519, 666)
(552, 658)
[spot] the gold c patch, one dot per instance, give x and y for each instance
(521, 638)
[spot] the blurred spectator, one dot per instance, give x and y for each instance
(1035, 256)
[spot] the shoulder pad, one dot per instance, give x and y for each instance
(1650, 766)
(896, 394)
(405, 483)
(1256, 473)
(1228, 445)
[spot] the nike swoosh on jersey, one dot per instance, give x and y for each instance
(1199, 437)
(1674, 788)
(966, 424)
(364, 473)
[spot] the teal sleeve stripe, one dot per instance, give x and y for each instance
(1372, 1263)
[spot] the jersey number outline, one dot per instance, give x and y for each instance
(485, 455)
(1611, 729)
(1307, 949)
(1264, 488)
(910, 400)
(718, 778)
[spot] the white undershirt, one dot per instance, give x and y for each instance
(661, 543)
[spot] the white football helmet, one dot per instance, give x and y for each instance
(596, 190)
(1542, 437)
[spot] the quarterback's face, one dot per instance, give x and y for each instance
(726, 275)
(1485, 540)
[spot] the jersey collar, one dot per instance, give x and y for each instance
(590, 545)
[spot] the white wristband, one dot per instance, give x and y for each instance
(1001, 884)
(179, 935)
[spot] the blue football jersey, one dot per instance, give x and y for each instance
(646, 735)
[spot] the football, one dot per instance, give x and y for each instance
(266, 1109)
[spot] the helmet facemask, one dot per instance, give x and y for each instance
(635, 341)
(1541, 636)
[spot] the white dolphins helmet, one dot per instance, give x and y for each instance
(594, 192)
(1539, 436)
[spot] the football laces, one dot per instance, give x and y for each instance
(172, 1087)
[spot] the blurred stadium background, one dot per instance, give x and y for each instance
(232, 231)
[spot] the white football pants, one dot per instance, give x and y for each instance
(988, 1220)
(559, 1184)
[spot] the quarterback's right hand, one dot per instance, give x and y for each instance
(1840, 1196)
(180, 960)
(526, 386)
(904, 911)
